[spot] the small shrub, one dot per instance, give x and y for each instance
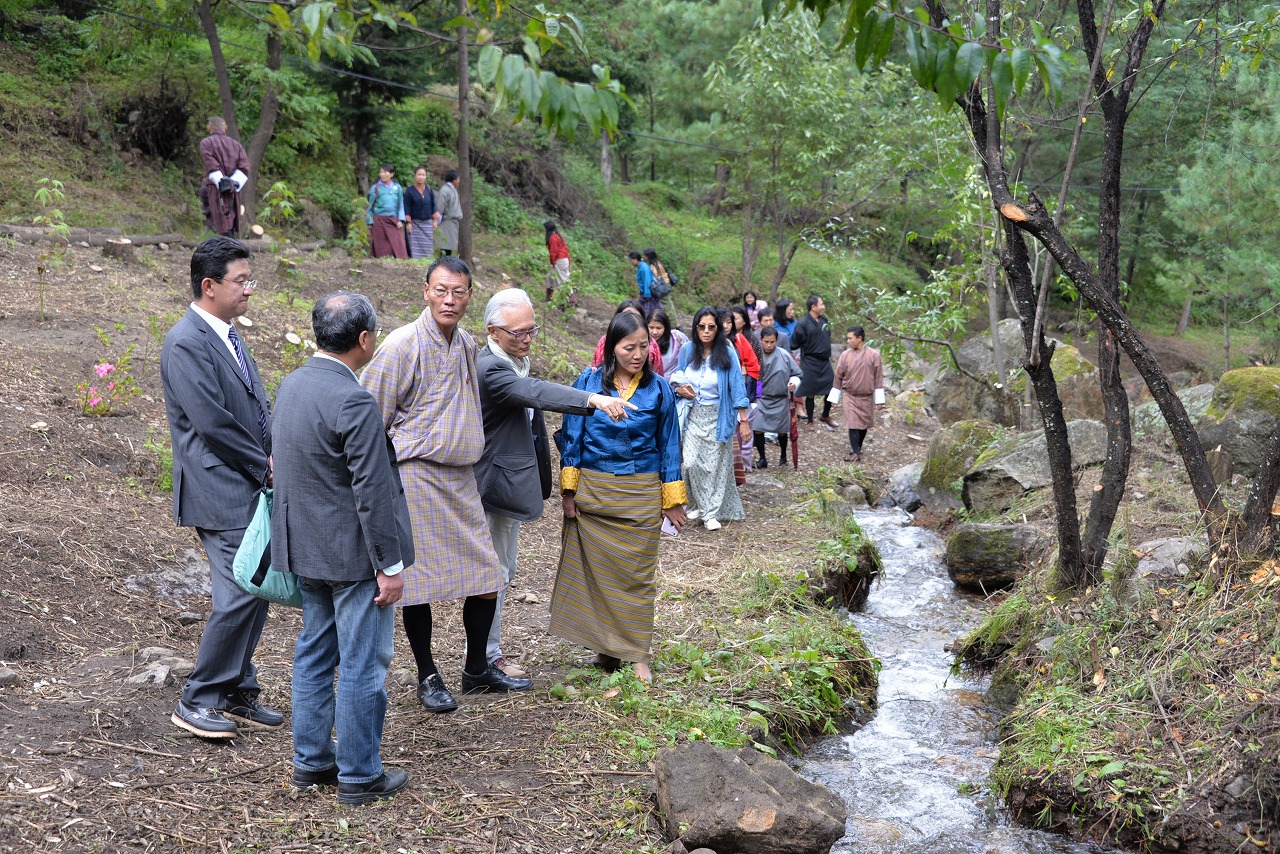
(494, 211)
(113, 385)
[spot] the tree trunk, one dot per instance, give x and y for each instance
(1105, 502)
(204, 10)
(464, 139)
(362, 162)
(784, 263)
(1185, 319)
(267, 115)
(1259, 524)
(1226, 337)
(606, 159)
(721, 187)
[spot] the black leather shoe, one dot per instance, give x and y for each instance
(493, 679)
(607, 663)
(206, 723)
(390, 784)
(434, 697)
(306, 779)
(248, 711)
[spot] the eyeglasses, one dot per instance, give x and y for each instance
(521, 334)
(247, 284)
(458, 293)
(702, 327)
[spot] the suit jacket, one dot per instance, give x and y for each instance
(514, 472)
(219, 462)
(339, 510)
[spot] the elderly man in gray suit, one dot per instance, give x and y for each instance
(514, 473)
(341, 524)
(219, 418)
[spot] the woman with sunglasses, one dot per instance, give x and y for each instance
(713, 402)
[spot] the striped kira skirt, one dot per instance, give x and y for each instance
(606, 584)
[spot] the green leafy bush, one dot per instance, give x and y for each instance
(421, 127)
(495, 211)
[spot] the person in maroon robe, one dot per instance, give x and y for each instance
(226, 170)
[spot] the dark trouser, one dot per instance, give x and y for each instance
(782, 452)
(855, 440)
(808, 408)
(477, 619)
(224, 663)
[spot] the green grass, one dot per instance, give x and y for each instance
(1133, 708)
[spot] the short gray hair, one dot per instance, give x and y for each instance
(339, 318)
(501, 301)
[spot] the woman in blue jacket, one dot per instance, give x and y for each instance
(618, 481)
(713, 403)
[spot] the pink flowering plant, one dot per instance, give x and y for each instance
(111, 386)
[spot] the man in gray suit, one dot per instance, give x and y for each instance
(219, 418)
(341, 524)
(514, 473)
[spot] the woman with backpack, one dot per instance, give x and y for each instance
(663, 278)
(385, 215)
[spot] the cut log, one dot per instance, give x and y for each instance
(309, 247)
(119, 248)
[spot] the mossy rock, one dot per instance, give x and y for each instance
(1242, 415)
(952, 452)
(1077, 380)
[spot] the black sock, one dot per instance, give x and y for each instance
(782, 445)
(808, 409)
(826, 407)
(477, 618)
(417, 628)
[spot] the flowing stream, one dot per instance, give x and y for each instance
(914, 779)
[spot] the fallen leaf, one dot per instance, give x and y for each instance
(611, 693)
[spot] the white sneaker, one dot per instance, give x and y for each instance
(693, 515)
(712, 525)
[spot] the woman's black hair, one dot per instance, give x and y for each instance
(551, 229)
(650, 255)
(620, 327)
(723, 314)
(387, 167)
(720, 358)
(660, 316)
(629, 303)
(751, 294)
(780, 310)
(747, 332)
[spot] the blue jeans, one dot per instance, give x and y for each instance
(341, 625)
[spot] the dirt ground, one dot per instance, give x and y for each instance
(94, 573)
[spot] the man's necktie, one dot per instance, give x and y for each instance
(238, 346)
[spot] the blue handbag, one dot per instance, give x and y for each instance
(252, 564)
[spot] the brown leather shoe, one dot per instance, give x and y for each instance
(509, 667)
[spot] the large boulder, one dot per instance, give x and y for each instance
(743, 801)
(991, 557)
(1148, 420)
(900, 491)
(1242, 416)
(952, 452)
(1020, 464)
(951, 396)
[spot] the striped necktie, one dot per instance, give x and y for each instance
(238, 346)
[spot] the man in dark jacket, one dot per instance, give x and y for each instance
(220, 425)
(813, 340)
(341, 524)
(514, 473)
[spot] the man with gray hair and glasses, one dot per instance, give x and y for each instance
(425, 380)
(340, 523)
(514, 472)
